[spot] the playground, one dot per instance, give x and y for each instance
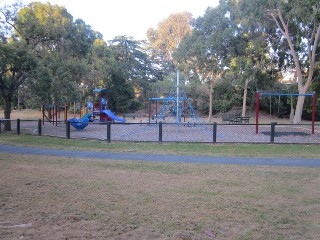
(135, 131)
(180, 122)
(96, 111)
(139, 129)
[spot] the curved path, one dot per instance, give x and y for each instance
(293, 162)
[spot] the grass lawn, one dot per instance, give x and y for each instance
(72, 198)
(239, 150)
(67, 198)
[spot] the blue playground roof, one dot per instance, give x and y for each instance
(167, 99)
(100, 90)
(284, 94)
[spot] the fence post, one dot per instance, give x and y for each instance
(214, 133)
(68, 129)
(108, 132)
(18, 126)
(273, 128)
(160, 132)
(39, 127)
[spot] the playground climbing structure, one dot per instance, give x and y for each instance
(175, 105)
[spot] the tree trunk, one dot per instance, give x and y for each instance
(210, 100)
(299, 108)
(7, 113)
(291, 111)
(312, 44)
(244, 100)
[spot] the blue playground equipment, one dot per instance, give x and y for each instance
(96, 111)
(80, 123)
(176, 105)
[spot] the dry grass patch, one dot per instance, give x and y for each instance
(67, 198)
(24, 114)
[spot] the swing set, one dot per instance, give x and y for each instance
(270, 94)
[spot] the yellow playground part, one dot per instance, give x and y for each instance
(83, 112)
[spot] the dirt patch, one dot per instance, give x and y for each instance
(142, 116)
(24, 114)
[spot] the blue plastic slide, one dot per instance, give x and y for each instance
(80, 123)
(114, 117)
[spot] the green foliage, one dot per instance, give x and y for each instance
(16, 65)
(170, 32)
(165, 39)
(49, 30)
(259, 14)
(205, 50)
(226, 95)
(235, 46)
(43, 25)
(131, 68)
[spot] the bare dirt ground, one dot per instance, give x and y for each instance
(287, 133)
(64, 198)
(24, 114)
(143, 116)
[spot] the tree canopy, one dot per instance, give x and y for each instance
(296, 31)
(225, 55)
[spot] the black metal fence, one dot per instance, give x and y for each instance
(172, 132)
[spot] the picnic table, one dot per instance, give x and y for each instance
(235, 120)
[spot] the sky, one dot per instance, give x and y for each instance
(129, 17)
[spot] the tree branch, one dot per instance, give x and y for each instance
(315, 43)
(278, 24)
(292, 50)
(8, 22)
(313, 51)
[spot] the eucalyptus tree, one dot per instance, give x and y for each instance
(45, 27)
(16, 64)
(165, 39)
(297, 24)
(132, 59)
(207, 49)
(251, 59)
(61, 46)
(16, 60)
(106, 71)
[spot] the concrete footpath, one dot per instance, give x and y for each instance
(290, 162)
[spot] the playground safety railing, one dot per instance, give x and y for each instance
(171, 132)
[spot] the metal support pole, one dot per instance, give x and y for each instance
(39, 127)
(156, 111)
(56, 115)
(178, 116)
(257, 111)
(68, 129)
(184, 107)
(160, 132)
(108, 132)
(43, 114)
(18, 126)
(149, 111)
(214, 133)
(59, 113)
(65, 112)
(272, 133)
(53, 114)
(314, 102)
(100, 106)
